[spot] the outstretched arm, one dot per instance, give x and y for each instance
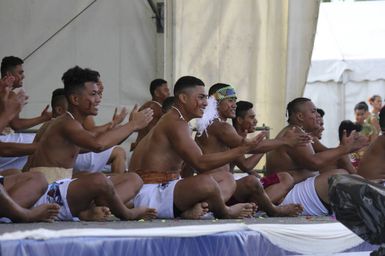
(190, 152)
(16, 149)
(247, 164)
(316, 161)
(229, 136)
(24, 123)
(74, 131)
(342, 163)
(117, 118)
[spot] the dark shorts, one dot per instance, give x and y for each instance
(269, 180)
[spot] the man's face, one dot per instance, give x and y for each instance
(248, 122)
(360, 115)
(162, 92)
(227, 107)
(310, 117)
(89, 99)
(18, 73)
(320, 129)
(196, 101)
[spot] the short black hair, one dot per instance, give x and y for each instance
(382, 118)
(361, 106)
(186, 82)
(348, 126)
(167, 103)
(57, 96)
(9, 63)
(75, 78)
(215, 87)
(156, 84)
(242, 108)
(321, 112)
(293, 106)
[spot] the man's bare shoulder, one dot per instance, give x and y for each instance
(218, 127)
(151, 104)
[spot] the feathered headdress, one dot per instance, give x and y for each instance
(208, 117)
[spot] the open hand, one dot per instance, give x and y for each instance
(141, 119)
(252, 143)
(296, 137)
(7, 81)
(354, 141)
(47, 115)
(119, 118)
(11, 103)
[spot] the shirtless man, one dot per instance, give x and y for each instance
(59, 146)
(159, 92)
(317, 133)
(220, 136)
(341, 163)
(14, 66)
(90, 161)
(115, 156)
(303, 163)
(19, 192)
(159, 156)
(245, 122)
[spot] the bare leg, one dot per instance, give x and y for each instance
(99, 189)
(203, 188)
(278, 191)
(118, 160)
(127, 185)
(26, 188)
(249, 189)
(226, 182)
(321, 183)
(10, 209)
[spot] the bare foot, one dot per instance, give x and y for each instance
(96, 213)
(141, 213)
(287, 210)
(239, 211)
(196, 212)
(44, 212)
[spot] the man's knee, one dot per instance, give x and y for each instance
(286, 179)
(252, 183)
(207, 185)
(134, 178)
(118, 153)
(99, 182)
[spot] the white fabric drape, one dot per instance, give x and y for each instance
(325, 238)
(262, 48)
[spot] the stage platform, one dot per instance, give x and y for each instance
(255, 236)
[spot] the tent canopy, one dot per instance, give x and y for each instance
(348, 60)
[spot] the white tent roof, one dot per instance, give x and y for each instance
(350, 38)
